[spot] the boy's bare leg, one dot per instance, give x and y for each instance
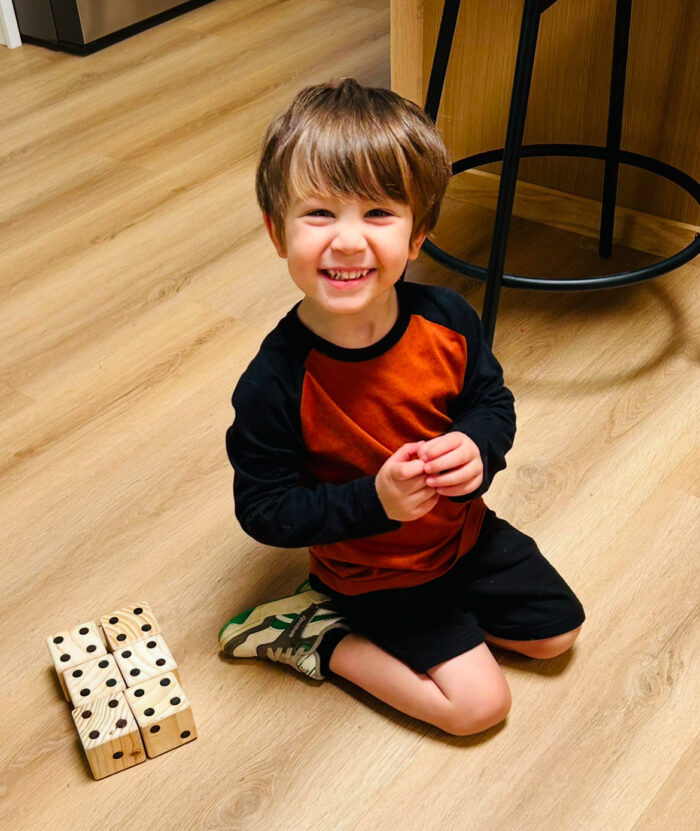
(464, 695)
(542, 649)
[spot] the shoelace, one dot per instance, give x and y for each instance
(288, 656)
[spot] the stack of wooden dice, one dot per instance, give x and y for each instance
(124, 699)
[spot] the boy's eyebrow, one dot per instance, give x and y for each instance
(311, 204)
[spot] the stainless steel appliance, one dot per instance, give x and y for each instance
(86, 25)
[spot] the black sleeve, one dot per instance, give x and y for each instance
(484, 409)
(274, 503)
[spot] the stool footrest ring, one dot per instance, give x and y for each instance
(673, 174)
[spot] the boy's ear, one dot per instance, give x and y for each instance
(415, 244)
(270, 226)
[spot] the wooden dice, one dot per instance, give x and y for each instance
(98, 678)
(162, 713)
(142, 660)
(127, 704)
(129, 624)
(73, 647)
(109, 735)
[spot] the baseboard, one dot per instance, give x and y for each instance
(641, 231)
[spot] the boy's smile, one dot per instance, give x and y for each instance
(347, 278)
(346, 274)
(346, 254)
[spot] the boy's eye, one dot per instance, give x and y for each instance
(378, 212)
(319, 212)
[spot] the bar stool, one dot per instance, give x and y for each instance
(514, 149)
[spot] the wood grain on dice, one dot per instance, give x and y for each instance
(146, 659)
(163, 714)
(131, 623)
(109, 735)
(73, 647)
(96, 678)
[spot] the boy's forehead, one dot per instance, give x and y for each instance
(350, 198)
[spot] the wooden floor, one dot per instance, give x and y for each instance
(136, 285)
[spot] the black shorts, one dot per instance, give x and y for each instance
(503, 586)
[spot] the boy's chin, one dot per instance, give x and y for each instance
(349, 302)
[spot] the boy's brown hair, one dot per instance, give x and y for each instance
(347, 139)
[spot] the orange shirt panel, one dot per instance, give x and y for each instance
(354, 416)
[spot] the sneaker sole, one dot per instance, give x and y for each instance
(256, 616)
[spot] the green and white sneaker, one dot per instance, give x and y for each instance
(287, 631)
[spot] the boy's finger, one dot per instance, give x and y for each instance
(407, 451)
(459, 490)
(453, 458)
(452, 491)
(420, 490)
(407, 470)
(458, 476)
(439, 445)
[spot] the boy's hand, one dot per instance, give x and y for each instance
(452, 464)
(401, 485)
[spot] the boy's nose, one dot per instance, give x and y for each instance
(349, 239)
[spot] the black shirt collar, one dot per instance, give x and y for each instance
(302, 335)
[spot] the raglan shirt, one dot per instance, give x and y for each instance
(314, 423)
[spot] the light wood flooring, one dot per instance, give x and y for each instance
(136, 283)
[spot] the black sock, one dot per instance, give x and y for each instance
(325, 649)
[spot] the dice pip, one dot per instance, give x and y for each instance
(109, 735)
(73, 647)
(128, 624)
(97, 678)
(163, 714)
(146, 659)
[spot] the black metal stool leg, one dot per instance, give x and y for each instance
(612, 146)
(511, 159)
(443, 47)
(441, 58)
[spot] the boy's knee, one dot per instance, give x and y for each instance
(551, 647)
(487, 708)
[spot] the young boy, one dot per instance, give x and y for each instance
(369, 425)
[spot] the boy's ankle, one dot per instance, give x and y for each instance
(327, 647)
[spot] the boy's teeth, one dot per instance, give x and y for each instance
(346, 275)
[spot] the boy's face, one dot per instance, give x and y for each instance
(346, 253)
